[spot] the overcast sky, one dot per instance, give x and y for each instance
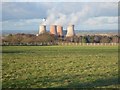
(84, 15)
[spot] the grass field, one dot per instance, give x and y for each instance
(60, 66)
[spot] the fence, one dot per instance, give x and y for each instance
(61, 44)
(87, 44)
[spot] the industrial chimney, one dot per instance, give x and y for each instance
(70, 31)
(53, 30)
(42, 29)
(59, 30)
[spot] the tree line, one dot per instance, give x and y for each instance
(48, 39)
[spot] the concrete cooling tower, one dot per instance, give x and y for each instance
(70, 31)
(59, 30)
(42, 29)
(53, 30)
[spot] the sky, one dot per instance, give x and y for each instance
(84, 15)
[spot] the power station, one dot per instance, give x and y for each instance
(53, 30)
(57, 30)
(70, 31)
(42, 29)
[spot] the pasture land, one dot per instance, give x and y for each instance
(60, 66)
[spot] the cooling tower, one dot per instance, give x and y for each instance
(42, 29)
(70, 31)
(59, 30)
(53, 30)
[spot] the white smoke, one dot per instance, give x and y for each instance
(58, 18)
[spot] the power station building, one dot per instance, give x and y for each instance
(70, 31)
(53, 30)
(42, 29)
(57, 30)
(60, 31)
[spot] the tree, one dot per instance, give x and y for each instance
(87, 39)
(44, 38)
(105, 39)
(26, 40)
(115, 39)
(96, 39)
(84, 39)
(76, 39)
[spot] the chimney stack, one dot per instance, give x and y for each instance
(53, 30)
(70, 31)
(59, 30)
(42, 29)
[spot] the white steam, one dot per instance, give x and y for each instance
(58, 18)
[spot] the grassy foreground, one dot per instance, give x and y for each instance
(60, 66)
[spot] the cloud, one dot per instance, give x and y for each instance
(27, 10)
(73, 13)
(22, 10)
(82, 14)
(101, 23)
(24, 24)
(101, 20)
(61, 1)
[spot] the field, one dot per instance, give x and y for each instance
(60, 66)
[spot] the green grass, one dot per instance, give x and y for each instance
(60, 66)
